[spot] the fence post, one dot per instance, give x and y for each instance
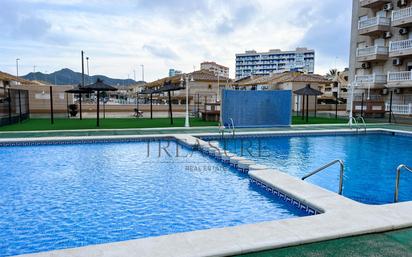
(51, 106)
(390, 107)
(20, 114)
(9, 102)
(410, 109)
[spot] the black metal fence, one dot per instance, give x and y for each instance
(14, 106)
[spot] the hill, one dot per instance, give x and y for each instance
(69, 77)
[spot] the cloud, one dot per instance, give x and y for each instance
(17, 22)
(328, 30)
(162, 52)
(161, 34)
(238, 18)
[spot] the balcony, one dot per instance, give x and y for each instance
(400, 79)
(372, 81)
(400, 48)
(372, 53)
(402, 17)
(374, 26)
(373, 3)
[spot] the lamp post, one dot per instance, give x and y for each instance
(17, 67)
(88, 71)
(187, 79)
(352, 89)
(142, 65)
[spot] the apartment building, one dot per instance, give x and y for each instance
(174, 72)
(217, 69)
(274, 61)
(381, 50)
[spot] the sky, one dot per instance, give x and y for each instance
(120, 36)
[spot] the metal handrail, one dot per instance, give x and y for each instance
(221, 130)
(356, 123)
(233, 127)
(363, 122)
(342, 167)
(398, 176)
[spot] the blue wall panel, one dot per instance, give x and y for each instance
(251, 108)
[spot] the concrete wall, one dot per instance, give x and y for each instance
(39, 98)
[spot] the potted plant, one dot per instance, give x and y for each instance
(73, 110)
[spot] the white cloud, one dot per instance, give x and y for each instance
(162, 34)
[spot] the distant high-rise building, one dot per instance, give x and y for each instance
(217, 69)
(264, 63)
(173, 72)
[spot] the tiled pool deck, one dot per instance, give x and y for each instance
(340, 216)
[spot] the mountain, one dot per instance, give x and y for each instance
(69, 77)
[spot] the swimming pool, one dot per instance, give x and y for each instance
(370, 161)
(71, 195)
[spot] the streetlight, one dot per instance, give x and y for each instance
(142, 65)
(17, 67)
(88, 74)
(352, 89)
(187, 79)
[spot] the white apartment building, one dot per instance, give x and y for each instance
(217, 69)
(254, 63)
(381, 50)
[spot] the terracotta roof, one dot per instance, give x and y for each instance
(9, 77)
(215, 64)
(200, 75)
(301, 77)
(284, 78)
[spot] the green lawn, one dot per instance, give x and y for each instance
(121, 123)
(109, 123)
(391, 244)
(318, 120)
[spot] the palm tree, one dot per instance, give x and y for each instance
(332, 73)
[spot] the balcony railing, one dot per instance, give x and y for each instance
(375, 21)
(405, 109)
(370, 79)
(402, 14)
(400, 45)
(372, 3)
(372, 50)
(399, 76)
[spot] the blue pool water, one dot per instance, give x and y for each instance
(62, 196)
(370, 161)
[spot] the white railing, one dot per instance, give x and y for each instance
(375, 21)
(400, 45)
(399, 76)
(401, 14)
(370, 79)
(405, 109)
(372, 50)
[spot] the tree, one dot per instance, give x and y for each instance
(332, 73)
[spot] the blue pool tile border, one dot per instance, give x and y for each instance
(301, 134)
(275, 192)
(83, 141)
(285, 197)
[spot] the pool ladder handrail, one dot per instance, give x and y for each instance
(398, 176)
(221, 130)
(231, 126)
(354, 121)
(341, 171)
(360, 117)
